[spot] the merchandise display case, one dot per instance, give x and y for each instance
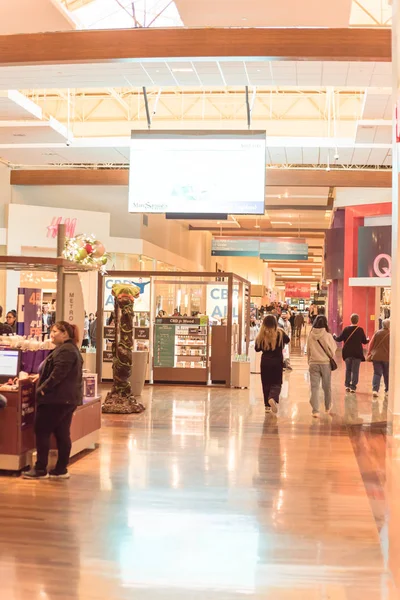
(181, 349)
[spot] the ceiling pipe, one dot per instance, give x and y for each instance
(146, 104)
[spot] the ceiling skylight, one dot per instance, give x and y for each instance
(123, 14)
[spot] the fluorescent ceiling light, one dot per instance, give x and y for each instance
(281, 223)
(299, 276)
(182, 70)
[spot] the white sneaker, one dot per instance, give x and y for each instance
(348, 389)
(328, 410)
(315, 415)
(273, 405)
(375, 394)
(267, 409)
(352, 391)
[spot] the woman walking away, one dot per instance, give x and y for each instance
(321, 347)
(59, 392)
(378, 353)
(271, 341)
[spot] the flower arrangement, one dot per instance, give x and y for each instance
(86, 250)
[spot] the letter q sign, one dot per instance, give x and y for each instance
(383, 271)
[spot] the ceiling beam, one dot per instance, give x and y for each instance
(332, 178)
(142, 43)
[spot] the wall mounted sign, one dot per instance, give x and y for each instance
(297, 290)
(70, 227)
(374, 251)
(74, 311)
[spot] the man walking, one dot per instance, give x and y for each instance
(353, 338)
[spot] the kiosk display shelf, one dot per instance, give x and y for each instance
(181, 349)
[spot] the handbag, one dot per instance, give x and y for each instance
(332, 361)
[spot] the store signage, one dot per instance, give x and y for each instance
(27, 403)
(297, 290)
(74, 311)
(283, 249)
(228, 246)
(141, 304)
(383, 265)
(141, 333)
(29, 313)
(164, 345)
(70, 227)
(107, 356)
(374, 251)
(217, 302)
(109, 332)
(183, 320)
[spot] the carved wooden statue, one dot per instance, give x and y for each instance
(120, 399)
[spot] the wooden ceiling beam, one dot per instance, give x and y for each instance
(185, 43)
(334, 178)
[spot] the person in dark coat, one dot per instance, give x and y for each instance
(58, 393)
(271, 341)
(353, 337)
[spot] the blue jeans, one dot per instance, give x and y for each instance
(352, 372)
(380, 368)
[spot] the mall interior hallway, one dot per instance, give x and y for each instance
(203, 496)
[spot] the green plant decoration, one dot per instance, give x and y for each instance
(120, 399)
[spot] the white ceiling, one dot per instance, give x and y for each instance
(264, 13)
(64, 155)
(323, 156)
(197, 73)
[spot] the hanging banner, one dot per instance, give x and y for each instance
(283, 249)
(235, 246)
(142, 303)
(29, 311)
(74, 311)
(298, 290)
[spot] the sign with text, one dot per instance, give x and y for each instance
(141, 333)
(164, 345)
(74, 311)
(27, 403)
(283, 249)
(226, 246)
(29, 315)
(297, 290)
(141, 304)
(183, 320)
(217, 302)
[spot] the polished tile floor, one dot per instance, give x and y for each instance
(203, 497)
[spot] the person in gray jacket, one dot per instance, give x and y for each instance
(320, 348)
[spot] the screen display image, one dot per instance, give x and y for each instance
(9, 363)
(197, 172)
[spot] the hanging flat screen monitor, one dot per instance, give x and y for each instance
(197, 172)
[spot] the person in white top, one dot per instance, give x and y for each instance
(284, 323)
(321, 347)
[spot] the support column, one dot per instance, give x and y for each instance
(394, 387)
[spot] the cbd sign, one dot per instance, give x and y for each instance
(70, 226)
(383, 265)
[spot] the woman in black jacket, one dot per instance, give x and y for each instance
(354, 338)
(271, 341)
(58, 394)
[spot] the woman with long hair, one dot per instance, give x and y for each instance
(58, 393)
(321, 347)
(271, 341)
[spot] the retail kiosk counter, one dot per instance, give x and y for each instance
(17, 439)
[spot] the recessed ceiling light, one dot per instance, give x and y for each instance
(244, 18)
(257, 226)
(286, 195)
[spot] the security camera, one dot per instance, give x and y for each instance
(67, 143)
(336, 157)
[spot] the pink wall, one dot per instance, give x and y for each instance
(359, 300)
